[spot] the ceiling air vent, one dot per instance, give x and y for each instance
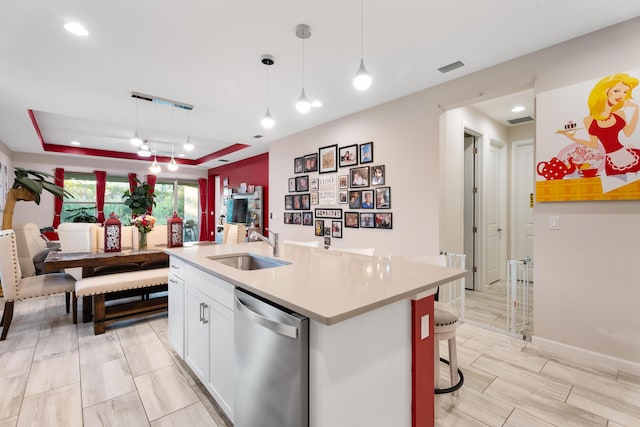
(223, 160)
(257, 136)
(520, 120)
(451, 67)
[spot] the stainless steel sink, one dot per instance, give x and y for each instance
(248, 261)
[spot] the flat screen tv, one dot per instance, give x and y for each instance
(239, 211)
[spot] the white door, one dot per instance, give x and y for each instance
(494, 208)
(470, 195)
(523, 184)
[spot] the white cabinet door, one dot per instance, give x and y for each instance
(196, 351)
(176, 313)
(221, 351)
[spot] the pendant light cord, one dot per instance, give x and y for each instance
(361, 29)
(303, 63)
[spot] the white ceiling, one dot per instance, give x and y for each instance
(207, 53)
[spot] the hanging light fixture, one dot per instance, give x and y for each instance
(362, 79)
(155, 167)
(267, 121)
(172, 165)
(143, 150)
(135, 139)
(303, 105)
(188, 145)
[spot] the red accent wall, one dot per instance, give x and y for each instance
(422, 360)
(252, 171)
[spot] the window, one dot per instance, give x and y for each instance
(171, 196)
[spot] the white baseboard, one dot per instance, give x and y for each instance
(587, 355)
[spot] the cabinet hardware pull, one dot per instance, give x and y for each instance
(204, 318)
(201, 312)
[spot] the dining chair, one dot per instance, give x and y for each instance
(17, 288)
(359, 251)
(32, 248)
(234, 233)
(315, 244)
(77, 237)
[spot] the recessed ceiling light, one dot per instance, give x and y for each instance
(76, 143)
(517, 109)
(76, 28)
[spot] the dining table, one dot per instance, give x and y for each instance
(93, 260)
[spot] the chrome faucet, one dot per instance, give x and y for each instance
(275, 243)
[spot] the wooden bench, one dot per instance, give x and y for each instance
(110, 287)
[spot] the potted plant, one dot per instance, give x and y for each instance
(83, 214)
(140, 200)
(28, 185)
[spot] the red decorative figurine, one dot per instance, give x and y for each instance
(112, 234)
(175, 228)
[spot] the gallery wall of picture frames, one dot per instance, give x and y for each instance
(337, 188)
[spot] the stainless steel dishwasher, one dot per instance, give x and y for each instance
(271, 346)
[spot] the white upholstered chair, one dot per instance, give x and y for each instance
(126, 237)
(30, 244)
(234, 233)
(76, 236)
(156, 237)
(16, 288)
(359, 251)
(315, 244)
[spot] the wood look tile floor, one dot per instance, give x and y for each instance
(54, 373)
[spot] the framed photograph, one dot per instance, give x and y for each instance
(311, 162)
(348, 155)
(288, 217)
(292, 185)
(336, 229)
(297, 202)
(305, 202)
(377, 175)
(298, 165)
(343, 181)
(367, 199)
(319, 227)
(330, 213)
(359, 177)
(383, 220)
(367, 220)
(355, 201)
(314, 198)
(297, 217)
(327, 231)
(343, 198)
(383, 198)
(366, 152)
(328, 161)
(225, 181)
(302, 183)
(307, 218)
(313, 184)
(288, 202)
(351, 220)
(327, 241)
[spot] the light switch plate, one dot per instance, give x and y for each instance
(554, 223)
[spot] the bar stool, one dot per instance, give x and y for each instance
(446, 321)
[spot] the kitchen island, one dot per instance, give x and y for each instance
(370, 332)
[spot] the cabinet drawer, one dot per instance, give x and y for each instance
(215, 288)
(177, 267)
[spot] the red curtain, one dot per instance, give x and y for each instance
(202, 186)
(57, 202)
(132, 181)
(151, 180)
(101, 183)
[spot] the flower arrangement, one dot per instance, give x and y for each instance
(144, 223)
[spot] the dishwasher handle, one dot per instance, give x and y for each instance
(279, 328)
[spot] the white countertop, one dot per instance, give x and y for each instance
(326, 286)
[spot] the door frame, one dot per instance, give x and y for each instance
(478, 277)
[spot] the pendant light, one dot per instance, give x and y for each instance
(143, 150)
(267, 121)
(188, 145)
(155, 167)
(362, 79)
(172, 165)
(135, 139)
(303, 105)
